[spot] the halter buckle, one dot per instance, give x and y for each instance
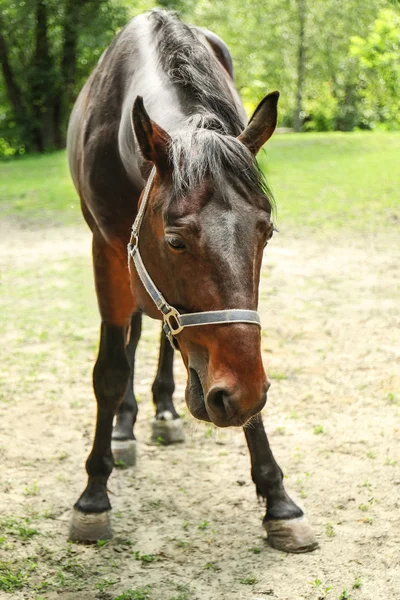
(172, 320)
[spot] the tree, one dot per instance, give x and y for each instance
(43, 46)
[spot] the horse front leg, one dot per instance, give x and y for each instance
(285, 523)
(166, 426)
(111, 375)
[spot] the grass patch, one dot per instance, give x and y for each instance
(324, 180)
(334, 180)
(137, 594)
(11, 579)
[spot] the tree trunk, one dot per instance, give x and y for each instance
(13, 91)
(42, 85)
(301, 64)
(68, 69)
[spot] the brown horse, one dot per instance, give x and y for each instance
(204, 221)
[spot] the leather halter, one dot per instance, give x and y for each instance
(174, 321)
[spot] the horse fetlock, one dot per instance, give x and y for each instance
(89, 527)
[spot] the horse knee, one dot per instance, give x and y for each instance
(112, 369)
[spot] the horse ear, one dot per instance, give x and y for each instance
(153, 140)
(262, 124)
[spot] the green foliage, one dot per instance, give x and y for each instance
(379, 65)
(350, 59)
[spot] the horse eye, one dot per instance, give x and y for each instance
(175, 243)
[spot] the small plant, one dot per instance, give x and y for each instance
(363, 507)
(357, 583)
(250, 580)
(316, 583)
(19, 528)
(255, 550)
(120, 464)
(104, 584)
(278, 376)
(212, 566)
(101, 543)
(10, 579)
(371, 454)
(145, 558)
(137, 594)
(203, 525)
(318, 429)
(32, 490)
(330, 532)
(344, 595)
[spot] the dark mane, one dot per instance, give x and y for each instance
(203, 150)
(189, 65)
(206, 147)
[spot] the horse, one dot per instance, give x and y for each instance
(159, 137)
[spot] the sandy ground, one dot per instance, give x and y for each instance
(187, 522)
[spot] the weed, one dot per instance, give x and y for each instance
(357, 583)
(145, 558)
(32, 490)
(184, 592)
(344, 595)
(120, 464)
(363, 507)
(278, 376)
(203, 525)
(104, 584)
(329, 531)
(101, 543)
(250, 580)
(371, 454)
(212, 566)
(18, 528)
(136, 594)
(255, 550)
(11, 579)
(318, 429)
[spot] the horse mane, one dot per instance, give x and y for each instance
(206, 146)
(189, 65)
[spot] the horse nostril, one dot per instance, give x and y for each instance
(219, 401)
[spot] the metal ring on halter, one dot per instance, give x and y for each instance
(175, 322)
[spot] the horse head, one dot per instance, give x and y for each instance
(207, 222)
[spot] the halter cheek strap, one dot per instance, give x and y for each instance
(174, 321)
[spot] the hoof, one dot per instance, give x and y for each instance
(167, 430)
(291, 535)
(124, 451)
(89, 528)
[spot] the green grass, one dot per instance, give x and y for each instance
(334, 180)
(38, 189)
(324, 181)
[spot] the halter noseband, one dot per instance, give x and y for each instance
(174, 321)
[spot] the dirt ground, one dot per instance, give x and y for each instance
(187, 522)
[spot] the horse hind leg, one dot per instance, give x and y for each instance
(166, 426)
(123, 442)
(112, 371)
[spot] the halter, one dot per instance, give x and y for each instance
(173, 321)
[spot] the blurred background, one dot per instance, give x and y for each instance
(335, 62)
